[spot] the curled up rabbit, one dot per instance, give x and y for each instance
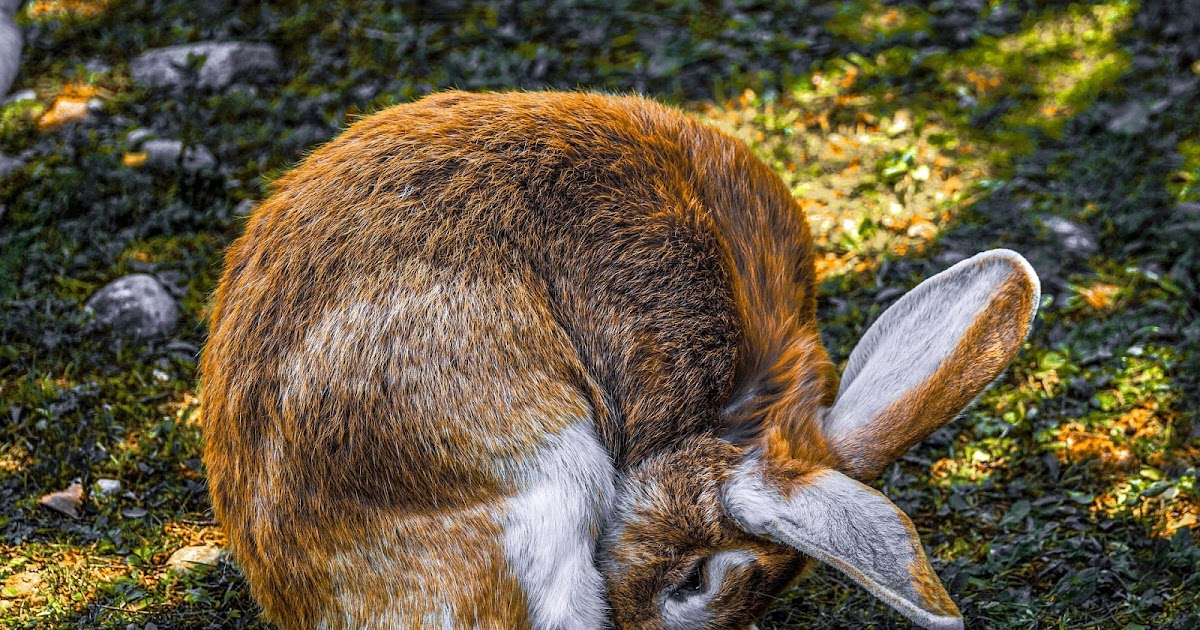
(551, 360)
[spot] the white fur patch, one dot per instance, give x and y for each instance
(550, 530)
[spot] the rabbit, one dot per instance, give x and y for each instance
(552, 360)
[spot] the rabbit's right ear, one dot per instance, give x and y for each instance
(928, 356)
(847, 525)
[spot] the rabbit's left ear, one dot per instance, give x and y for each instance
(928, 356)
(849, 526)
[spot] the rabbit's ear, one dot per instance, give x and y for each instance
(929, 356)
(850, 526)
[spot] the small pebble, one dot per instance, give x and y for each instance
(107, 487)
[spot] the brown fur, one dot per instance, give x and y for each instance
(426, 298)
(927, 583)
(659, 539)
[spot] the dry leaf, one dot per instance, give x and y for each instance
(65, 501)
(21, 585)
(187, 558)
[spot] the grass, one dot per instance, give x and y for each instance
(914, 133)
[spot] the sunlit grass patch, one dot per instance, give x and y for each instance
(122, 577)
(1130, 438)
(1106, 446)
(974, 467)
(14, 458)
(20, 117)
(146, 436)
(1050, 70)
(134, 159)
(1100, 296)
(1114, 291)
(871, 182)
(1167, 505)
(71, 103)
(47, 580)
(1133, 412)
(1038, 376)
(126, 570)
(880, 174)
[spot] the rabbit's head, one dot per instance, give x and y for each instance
(706, 535)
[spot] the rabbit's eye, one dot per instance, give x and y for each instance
(693, 584)
(687, 604)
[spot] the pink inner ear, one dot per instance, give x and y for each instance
(929, 356)
(849, 526)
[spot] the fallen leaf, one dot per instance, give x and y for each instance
(1099, 296)
(188, 558)
(134, 159)
(65, 501)
(65, 109)
(20, 585)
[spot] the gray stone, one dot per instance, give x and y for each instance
(106, 487)
(1131, 119)
(1073, 237)
(137, 136)
(174, 281)
(97, 66)
(224, 63)
(10, 44)
(136, 306)
(21, 95)
(9, 163)
(164, 154)
(188, 558)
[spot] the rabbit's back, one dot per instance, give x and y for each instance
(463, 311)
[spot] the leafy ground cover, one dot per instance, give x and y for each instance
(914, 134)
